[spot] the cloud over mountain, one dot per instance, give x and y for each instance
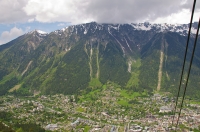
(80, 11)
(9, 35)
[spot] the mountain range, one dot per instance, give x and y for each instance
(137, 57)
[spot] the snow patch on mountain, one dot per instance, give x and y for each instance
(85, 32)
(41, 32)
(141, 26)
(182, 29)
(92, 27)
(193, 30)
(63, 29)
(38, 33)
(116, 28)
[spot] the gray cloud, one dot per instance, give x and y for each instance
(189, 3)
(103, 11)
(11, 11)
(134, 10)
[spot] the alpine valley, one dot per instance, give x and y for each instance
(76, 59)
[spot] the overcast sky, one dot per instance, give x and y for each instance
(20, 16)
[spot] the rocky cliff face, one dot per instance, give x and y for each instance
(135, 56)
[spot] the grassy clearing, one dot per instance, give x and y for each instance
(104, 87)
(16, 87)
(123, 102)
(94, 82)
(80, 109)
(136, 64)
(127, 96)
(87, 128)
(130, 95)
(195, 102)
(133, 81)
(84, 127)
(91, 96)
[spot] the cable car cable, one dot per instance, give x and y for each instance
(183, 66)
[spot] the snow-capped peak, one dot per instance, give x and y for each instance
(38, 31)
(182, 29)
(41, 32)
(92, 27)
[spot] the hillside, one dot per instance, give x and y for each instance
(134, 56)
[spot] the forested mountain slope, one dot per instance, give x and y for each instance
(135, 56)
